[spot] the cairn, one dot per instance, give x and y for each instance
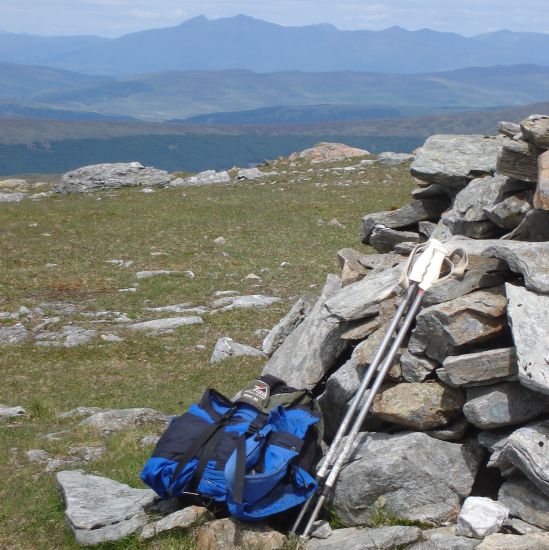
(458, 436)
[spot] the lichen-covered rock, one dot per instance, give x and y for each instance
(501, 405)
(419, 406)
(97, 177)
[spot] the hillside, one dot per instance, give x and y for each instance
(52, 146)
(177, 95)
(247, 43)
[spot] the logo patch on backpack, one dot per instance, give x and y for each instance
(257, 393)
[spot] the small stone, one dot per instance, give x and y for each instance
(416, 368)
(131, 289)
(226, 348)
(182, 519)
(220, 241)
(147, 190)
(480, 517)
(158, 327)
(116, 420)
(11, 412)
(111, 337)
(149, 440)
(258, 301)
(321, 529)
(155, 273)
(252, 277)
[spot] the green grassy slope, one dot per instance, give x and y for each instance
(263, 224)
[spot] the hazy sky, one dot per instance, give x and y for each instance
(117, 17)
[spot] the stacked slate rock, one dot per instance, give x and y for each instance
(459, 434)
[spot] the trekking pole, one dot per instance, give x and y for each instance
(418, 277)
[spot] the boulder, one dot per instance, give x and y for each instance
(99, 509)
(98, 177)
(508, 213)
(532, 541)
(520, 527)
(449, 328)
(529, 259)
(419, 406)
(287, 324)
(182, 519)
(253, 174)
(13, 335)
(526, 449)
(541, 196)
(467, 216)
(480, 517)
(388, 158)
(479, 368)
(535, 129)
(361, 329)
(208, 177)
(384, 239)
(226, 348)
(166, 325)
(391, 470)
(328, 152)
(518, 160)
(416, 211)
(312, 347)
(116, 420)
(453, 160)
(230, 534)
(528, 315)
(432, 191)
(381, 538)
(525, 501)
(505, 404)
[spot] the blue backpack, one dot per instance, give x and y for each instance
(254, 455)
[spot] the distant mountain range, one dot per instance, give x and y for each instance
(240, 96)
(243, 42)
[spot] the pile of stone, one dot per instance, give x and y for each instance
(458, 435)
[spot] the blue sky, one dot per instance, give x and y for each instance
(117, 17)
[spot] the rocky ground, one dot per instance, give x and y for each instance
(453, 455)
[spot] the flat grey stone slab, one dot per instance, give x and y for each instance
(168, 324)
(116, 420)
(255, 301)
(382, 538)
(499, 541)
(312, 347)
(453, 160)
(7, 412)
(13, 335)
(481, 368)
(100, 509)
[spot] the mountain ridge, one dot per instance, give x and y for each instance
(246, 42)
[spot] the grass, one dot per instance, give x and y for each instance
(264, 224)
